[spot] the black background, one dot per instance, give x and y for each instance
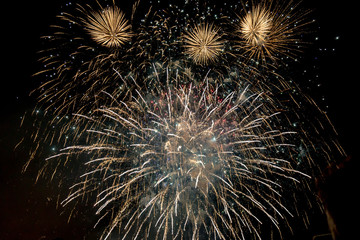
(28, 210)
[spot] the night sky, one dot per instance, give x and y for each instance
(28, 209)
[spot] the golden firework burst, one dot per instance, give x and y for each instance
(256, 26)
(269, 30)
(203, 43)
(108, 27)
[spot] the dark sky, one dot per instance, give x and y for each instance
(28, 210)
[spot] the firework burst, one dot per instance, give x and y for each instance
(269, 30)
(108, 27)
(186, 163)
(78, 65)
(203, 43)
(256, 27)
(165, 146)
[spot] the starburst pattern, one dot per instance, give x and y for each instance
(186, 163)
(256, 27)
(108, 27)
(203, 43)
(269, 30)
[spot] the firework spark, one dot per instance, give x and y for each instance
(108, 27)
(203, 43)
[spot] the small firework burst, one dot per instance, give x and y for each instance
(256, 26)
(75, 64)
(78, 63)
(108, 27)
(269, 30)
(203, 43)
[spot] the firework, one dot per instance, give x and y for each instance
(108, 27)
(77, 65)
(186, 163)
(72, 68)
(203, 43)
(256, 27)
(165, 147)
(270, 30)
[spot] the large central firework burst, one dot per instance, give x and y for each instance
(186, 163)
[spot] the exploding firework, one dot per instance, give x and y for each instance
(77, 65)
(256, 27)
(87, 43)
(186, 163)
(203, 43)
(269, 30)
(175, 133)
(108, 27)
